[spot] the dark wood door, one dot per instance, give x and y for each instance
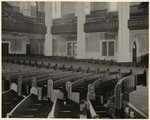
(41, 48)
(28, 49)
(5, 49)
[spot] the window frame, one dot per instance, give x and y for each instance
(107, 47)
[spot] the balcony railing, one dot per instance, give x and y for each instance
(101, 26)
(63, 29)
(138, 23)
(21, 26)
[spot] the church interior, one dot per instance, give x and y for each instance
(66, 59)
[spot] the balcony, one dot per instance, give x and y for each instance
(12, 25)
(139, 22)
(101, 25)
(66, 24)
(64, 29)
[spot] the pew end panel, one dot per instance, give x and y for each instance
(91, 94)
(14, 86)
(37, 91)
(74, 96)
(53, 94)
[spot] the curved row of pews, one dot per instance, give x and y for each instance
(33, 90)
(71, 59)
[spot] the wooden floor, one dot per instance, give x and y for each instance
(139, 98)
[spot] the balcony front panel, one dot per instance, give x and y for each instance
(101, 26)
(64, 29)
(21, 26)
(138, 23)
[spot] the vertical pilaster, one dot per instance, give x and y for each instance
(80, 30)
(48, 23)
(123, 32)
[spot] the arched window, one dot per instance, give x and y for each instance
(134, 52)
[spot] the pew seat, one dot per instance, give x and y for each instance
(9, 100)
(33, 108)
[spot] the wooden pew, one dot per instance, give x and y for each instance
(12, 78)
(142, 78)
(59, 105)
(16, 74)
(9, 100)
(31, 107)
(77, 90)
(27, 103)
(123, 107)
(25, 84)
(97, 95)
(60, 85)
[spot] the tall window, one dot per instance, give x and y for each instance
(108, 48)
(111, 48)
(69, 48)
(104, 48)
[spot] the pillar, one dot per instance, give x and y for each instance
(123, 32)
(80, 12)
(48, 22)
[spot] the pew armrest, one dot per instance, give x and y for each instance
(75, 97)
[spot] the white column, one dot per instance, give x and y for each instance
(48, 23)
(80, 30)
(123, 32)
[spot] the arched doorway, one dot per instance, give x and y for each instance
(134, 52)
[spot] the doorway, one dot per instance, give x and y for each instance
(41, 48)
(5, 49)
(71, 49)
(134, 53)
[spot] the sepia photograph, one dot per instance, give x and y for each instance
(75, 59)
